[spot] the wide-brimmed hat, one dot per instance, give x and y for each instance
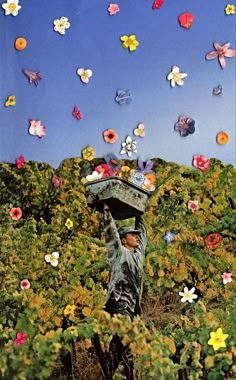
(126, 230)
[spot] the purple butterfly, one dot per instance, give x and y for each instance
(145, 168)
(33, 76)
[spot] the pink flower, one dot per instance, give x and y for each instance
(113, 9)
(148, 185)
(36, 129)
(24, 284)
(201, 162)
(226, 277)
(16, 213)
(104, 169)
(20, 162)
(193, 205)
(57, 181)
(20, 338)
(221, 52)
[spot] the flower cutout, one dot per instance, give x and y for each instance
(69, 310)
(103, 169)
(16, 213)
(217, 339)
(213, 240)
(88, 153)
(110, 136)
(24, 284)
(112, 161)
(188, 295)
(185, 125)
(201, 162)
(69, 224)
(57, 181)
(226, 277)
(193, 205)
(230, 9)
(113, 9)
(20, 338)
(60, 25)
(76, 113)
(129, 42)
(52, 258)
(123, 97)
(11, 7)
(186, 20)
(94, 176)
(222, 138)
(129, 146)
(33, 76)
(169, 237)
(20, 43)
(157, 4)
(139, 131)
(148, 185)
(20, 162)
(36, 129)
(147, 168)
(151, 177)
(221, 52)
(138, 179)
(175, 77)
(11, 101)
(84, 74)
(217, 90)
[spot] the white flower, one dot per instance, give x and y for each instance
(94, 176)
(188, 295)
(176, 77)
(52, 258)
(11, 7)
(61, 25)
(129, 146)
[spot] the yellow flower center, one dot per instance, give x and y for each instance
(188, 295)
(12, 7)
(129, 42)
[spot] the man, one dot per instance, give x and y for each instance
(126, 251)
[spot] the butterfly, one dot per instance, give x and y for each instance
(76, 113)
(123, 97)
(218, 90)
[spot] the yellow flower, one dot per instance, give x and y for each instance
(88, 153)
(230, 9)
(69, 224)
(11, 101)
(69, 310)
(217, 339)
(125, 169)
(129, 42)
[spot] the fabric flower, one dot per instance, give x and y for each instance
(16, 213)
(88, 153)
(20, 162)
(193, 205)
(84, 74)
(222, 138)
(36, 129)
(110, 136)
(129, 42)
(217, 339)
(221, 52)
(188, 295)
(33, 76)
(129, 146)
(69, 310)
(52, 258)
(69, 224)
(104, 169)
(185, 126)
(226, 277)
(169, 237)
(230, 9)
(201, 162)
(148, 185)
(24, 284)
(139, 131)
(213, 240)
(123, 97)
(20, 338)
(94, 176)
(157, 4)
(113, 9)
(60, 25)
(11, 101)
(11, 7)
(57, 181)
(186, 20)
(175, 77)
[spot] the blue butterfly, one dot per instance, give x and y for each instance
(123, 97)
(218, 90)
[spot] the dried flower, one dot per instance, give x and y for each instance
(60, 25)
(221, 52)
(123, 97)
(16, 213)
(94, 176)
(129, 42)
(88, 153)
(175, 77)
(69, 310)
(36, 129)
(138, 179)
(139, 131)
(169, 237)
(112, 160)
(11, 7)
(157, 4)
(185, 126)
(69, 224)
(20, 338)
(24, 284)
(230, 9)
(186, 20)
(84, 74)
(188, 295)
(11, 101)
(193, 205)
(148, 185)
(213, 240)
(57, 181)
(110, 136)
(226, 277)
(222, 138)
(129, 146)
(113, 9)
(76, 113)
(201, 162)
(52, 258)
(33, 76)
(20, 162)
(217, 339)
(103, 169)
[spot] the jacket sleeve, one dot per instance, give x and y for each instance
(114, 246)
(141, 225)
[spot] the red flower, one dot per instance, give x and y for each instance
(110, 136)
(157, 4)
(201, 162)
(186, 19)
(104, 169)
(20, 338)
(76, 113)
(213, 240)
(20, 162)
(16, 213)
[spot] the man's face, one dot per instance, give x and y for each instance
(131, 240)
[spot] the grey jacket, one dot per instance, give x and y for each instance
(126, 282)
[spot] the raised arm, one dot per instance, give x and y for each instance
(111, 235)
(141, 225)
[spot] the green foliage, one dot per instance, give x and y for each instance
(161, 349)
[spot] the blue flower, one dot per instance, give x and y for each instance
(138, 179)
(123, 97)
(185, 126)
(169, 237)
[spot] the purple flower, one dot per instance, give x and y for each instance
(33, 76)
(144, 169)
(185, 125)
(169, 237)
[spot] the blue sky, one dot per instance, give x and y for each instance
(93, 41)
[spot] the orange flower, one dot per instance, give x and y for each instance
(213, 240)
(222, 138)
(151, 177)
(16, 213)
(20, 43)
(110, 136)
